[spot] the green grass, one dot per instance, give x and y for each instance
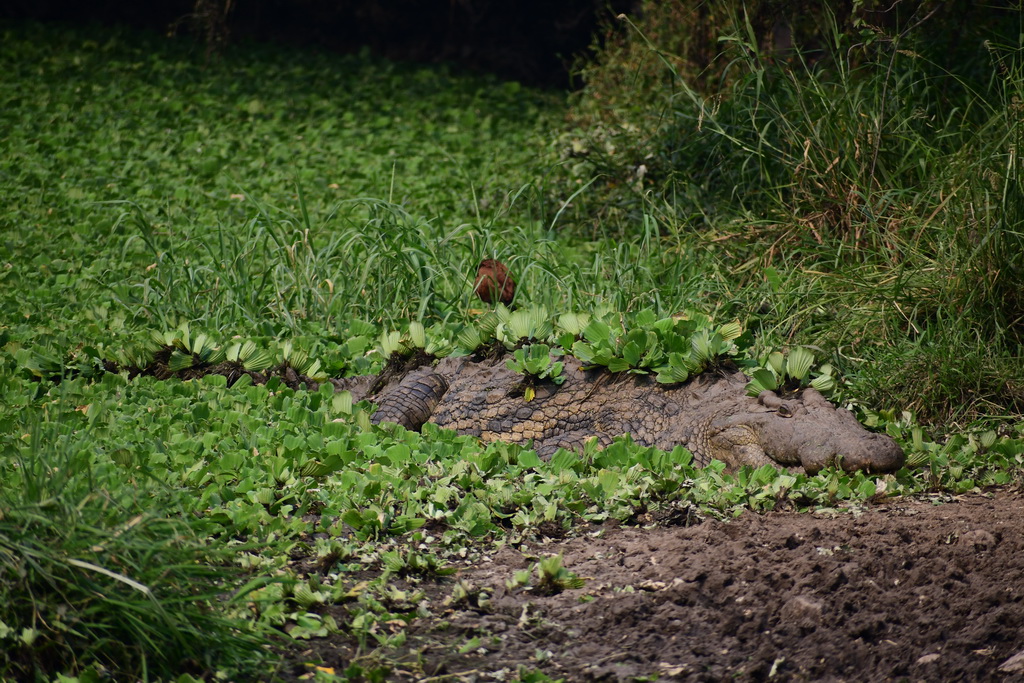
(867, 194)
(321, 207)
(102, 567)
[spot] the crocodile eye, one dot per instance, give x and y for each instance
(785, 411)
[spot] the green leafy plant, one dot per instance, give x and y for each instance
(780, 372)
(301, 361)
(546, 577)
(535, 362)
(469, 339)
(391, 344)
(414, 563)
(123, 582)
(249, 355)
(674, 349)
(528, 325)
(865, 203)
(189, 349)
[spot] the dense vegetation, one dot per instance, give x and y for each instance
(289, 209)
(866, 192)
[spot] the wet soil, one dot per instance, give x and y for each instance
(905, 590)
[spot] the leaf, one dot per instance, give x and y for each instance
(573, 323)
(730, 331)
(766, 379)
(162, 338)
(179, 361)
(918, 458)
(390, 342)
(597, 332)
(529, 459)
(618, 365)
(824, 383)
(488, 323)
(555, 373)
(563, 460)
(393, 561)
(610, 481)
(314, 468)
(631, 353)
(800, 362)
(673, 373)
(645, 318)
(529, 324)
(438, 346)
(469, 338)
(302, 363)
(312, 369)
(258, 361)
(701, 348)
(201, 345)
(306, 597)
(517, 363)
(341, 402)
(417, 334)
(214, 356)
(353, 519)
(917, 435)
(584, 352)
(182, 337)
(565, 341)
(232, 351)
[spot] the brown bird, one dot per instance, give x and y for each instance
(493, 282)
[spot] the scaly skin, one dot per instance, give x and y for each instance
(711, 415)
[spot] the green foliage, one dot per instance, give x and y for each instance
(859, 188)
(674, 349)
(250, 356)
(94, 573)
(519, 327)
(253, 461)
(535, 362)
(282, 210)
(779, 372)
(546, 577)
(272, 207)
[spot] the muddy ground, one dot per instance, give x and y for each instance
(915, 590)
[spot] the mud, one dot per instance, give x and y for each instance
(908, 590)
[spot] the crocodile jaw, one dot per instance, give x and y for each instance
(871, 453)
(813, 434)
(839, 439)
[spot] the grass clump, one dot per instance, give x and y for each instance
(862, 186)
(103, 577)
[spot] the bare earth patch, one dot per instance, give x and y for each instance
(906, 590)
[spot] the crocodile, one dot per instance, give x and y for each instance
(711, 414)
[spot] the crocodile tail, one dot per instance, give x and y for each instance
(412, 402)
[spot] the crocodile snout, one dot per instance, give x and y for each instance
(869, 452)
(812, 432)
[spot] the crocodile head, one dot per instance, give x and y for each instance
(805, 431)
